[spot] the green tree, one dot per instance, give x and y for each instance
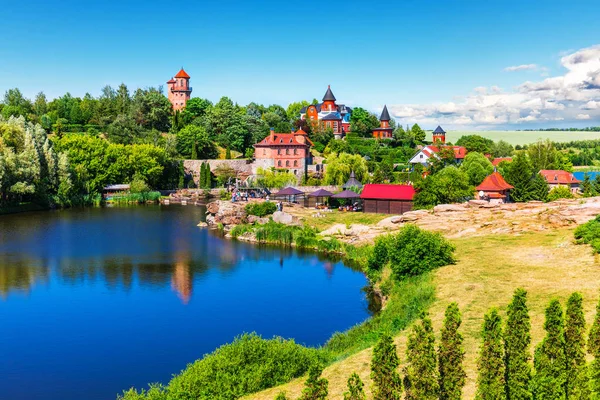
(517, 339)
(538, 188)
(194, 155)
(384, 173)
(281, 396)
(519, 173)
(293, 109)
(477, 167)
(587, 187)
(421, 380)
(451, 355)
(340, 166)
(490, 364)
(123, 130)
(549, 359)
(502, 149)
(151, 109)
(363, 122)
(577, 380)
(315, 387)
(476, 143)
(450, 185)
(386, 381)
(559, 192)
(593, 346)
(193, 134)
(417, 133)
(355, 388)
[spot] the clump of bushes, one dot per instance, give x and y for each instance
(261, 209)
(247, 365)
(411, 252)
(589, 233)
(560, 192)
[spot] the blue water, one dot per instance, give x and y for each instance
(95, 301)
(581, 175)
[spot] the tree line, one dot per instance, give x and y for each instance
(504, 364)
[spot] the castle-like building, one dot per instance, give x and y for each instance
(179, 90)
(329, 114)
(384, 131)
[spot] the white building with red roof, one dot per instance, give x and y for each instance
(493, 189)
(557, 177)
(426, 154)
(289, 151)
(179, 90)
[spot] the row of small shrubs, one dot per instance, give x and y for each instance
(410, 252)
(589, 233)
(261, 209)
(247, 365)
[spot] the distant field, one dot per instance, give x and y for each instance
(523, 137)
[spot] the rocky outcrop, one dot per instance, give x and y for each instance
(225, 213)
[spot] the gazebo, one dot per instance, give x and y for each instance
(288, 192)
(346, 195)
(320, 194)
(352, 182)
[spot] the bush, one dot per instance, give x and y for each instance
(247, 365)
(411, 252)
(261, 209)
(560, 192)
(589, 233)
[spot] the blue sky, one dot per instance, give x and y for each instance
(431, 62)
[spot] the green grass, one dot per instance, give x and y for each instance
(523, 137)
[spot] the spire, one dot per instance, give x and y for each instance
(385, 116)
(329, 94)
(439, 130)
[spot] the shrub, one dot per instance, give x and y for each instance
(224, 195)
(261, 209)
(560, 192)
(247, 365)
(589, 233)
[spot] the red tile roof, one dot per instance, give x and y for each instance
(559, 176)
(498, 160)
(459, 151)
(182, 74)
(493, 183)
(171, 80)
(285, 139)
(388, 192)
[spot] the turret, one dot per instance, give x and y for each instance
(439, 135)
(328, 101)
(179, 90)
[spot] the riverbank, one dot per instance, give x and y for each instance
(20, 208)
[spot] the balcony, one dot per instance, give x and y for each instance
(181, 89)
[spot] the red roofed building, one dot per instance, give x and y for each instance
(384, 131)
(557, 177)
(387, 199)
(284, 150)
(425, 154)
(494, 189)
(179, 90)
(496, 161)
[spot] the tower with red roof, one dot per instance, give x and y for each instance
(179, 90)
(384, 131)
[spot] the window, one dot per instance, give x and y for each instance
(287, 151)
(279, 163)
(287, 163)
(420, 155)
(278, 151)
(295, 151)
(295, 163)
(264, 152)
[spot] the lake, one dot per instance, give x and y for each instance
(97, 300)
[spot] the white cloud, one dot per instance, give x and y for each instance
(522, 67)
(555, 98)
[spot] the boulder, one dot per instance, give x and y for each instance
(448, 208)
(477, 203)
(202, 224)
(212, 208)
(283, 218)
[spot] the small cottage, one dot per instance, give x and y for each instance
(494, 189)
(556, 177)
(387, 199)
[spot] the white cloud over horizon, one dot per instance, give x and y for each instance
(555, 98)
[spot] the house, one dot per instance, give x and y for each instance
(329, 114)
(384, 131)
(179, 90)
(289, 151)
(556, 177)
(424, 155)
(493, 189)
(496, 161)
(387, 199)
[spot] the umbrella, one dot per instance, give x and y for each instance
(288, 192)
(346, 194)
(320, 193)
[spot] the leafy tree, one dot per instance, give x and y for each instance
(444, 157)
(593, 346)
(123, 130)
(502, 149)
(315, 387)
(340, 166)
(517, 339)
(450, 185)
(363, 122)
(281, 396)
(538, 188)
(417, 133)
(543, 155)
(421, 380)
(293, 109)
(587, 186)
(577, 380)
(196, 135)
(386, 381)
(194, 155)
(476, 143)
(549, 359)
(384, 173)
(490, 364)
(560, 192)
(195, 107)
(151, 109)
(519, 173)
(451, 355)
(355, 388)
(272, 178)
(477, 167)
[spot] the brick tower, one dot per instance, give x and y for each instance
(179, 90)
(439, 135)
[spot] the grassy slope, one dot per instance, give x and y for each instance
(523, 137)
(488, 270)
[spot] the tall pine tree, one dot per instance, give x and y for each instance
(519, 175)
(577, 386)
(450, 356)
(421, 373)
(549, 359)
(594, 350)
(315, 387)
(517, 339)
(386, 381)
(355, 388)
(490, 365)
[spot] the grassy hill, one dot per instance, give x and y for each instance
(547, 264)
(523, 137)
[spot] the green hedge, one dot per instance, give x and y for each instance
(261, 209)
(589, 233)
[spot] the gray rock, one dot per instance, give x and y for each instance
(283, 218)
(448, 208)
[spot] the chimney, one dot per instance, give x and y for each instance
(272, 135)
